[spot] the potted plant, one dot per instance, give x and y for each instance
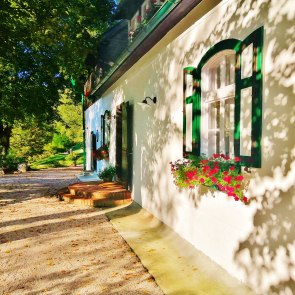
(107, 173)
(102, 152)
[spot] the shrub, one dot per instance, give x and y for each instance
(107, 173)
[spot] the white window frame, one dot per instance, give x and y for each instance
(218, 86)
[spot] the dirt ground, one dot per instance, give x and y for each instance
(52, 247)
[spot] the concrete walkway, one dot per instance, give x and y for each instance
(178, 268)
(56, 248)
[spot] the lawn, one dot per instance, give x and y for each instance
(58, 160)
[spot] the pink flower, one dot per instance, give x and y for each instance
(214, 170)
(230, 189)
(214, 180)
(237, 159)
(239, 177)
(227, 179)
(190, 174)
(220, 187)
(202, 180)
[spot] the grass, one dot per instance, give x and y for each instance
(58, 160)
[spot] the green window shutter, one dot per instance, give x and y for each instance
(195, 101)
(249, 93)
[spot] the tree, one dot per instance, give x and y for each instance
(70, 118)
(42, 45)
(28, 138)
(68, 129)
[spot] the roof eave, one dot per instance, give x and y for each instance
(176, 12)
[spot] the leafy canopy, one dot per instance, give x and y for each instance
(43, 43)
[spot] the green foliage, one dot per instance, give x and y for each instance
(59, 143)
(73, 158)
(68, 130)
(42, 45)
(28, 138)
(70, 117)
(107, 173)
(9, 162)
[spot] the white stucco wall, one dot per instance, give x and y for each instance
(93, 124)
(253, 242)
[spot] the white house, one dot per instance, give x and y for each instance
(218, 77)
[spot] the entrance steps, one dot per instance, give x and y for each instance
(96, 194)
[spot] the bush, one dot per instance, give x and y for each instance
(9, 162)
(107, 173)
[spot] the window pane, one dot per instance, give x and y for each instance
(246, 120)
(218, 88)
(189, 85)
(229, 126)
(189, 127)
(230, 69)
(247, 60)
(214, 128)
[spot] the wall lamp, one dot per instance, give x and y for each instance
(145, 101)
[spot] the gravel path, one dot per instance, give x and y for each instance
(51, 247)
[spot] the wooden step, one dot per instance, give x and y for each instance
(96, 194)
(92, 202)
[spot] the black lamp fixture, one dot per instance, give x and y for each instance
(145, 101)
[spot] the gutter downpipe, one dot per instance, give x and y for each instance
(160, 15)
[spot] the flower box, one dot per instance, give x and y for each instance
(218, 172)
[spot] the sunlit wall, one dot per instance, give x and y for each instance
(253, 242)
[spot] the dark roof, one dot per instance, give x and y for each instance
(127, 8)
(112, 43)
(165, 19)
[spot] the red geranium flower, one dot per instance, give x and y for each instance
(190, 174)
(239, 177)
(227, 179)
(214, 180)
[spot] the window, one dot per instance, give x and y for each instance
(223, 101)
(106, 128)
(217, 104)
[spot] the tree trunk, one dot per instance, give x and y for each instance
(5, 134)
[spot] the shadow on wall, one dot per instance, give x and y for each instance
(267, 255)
